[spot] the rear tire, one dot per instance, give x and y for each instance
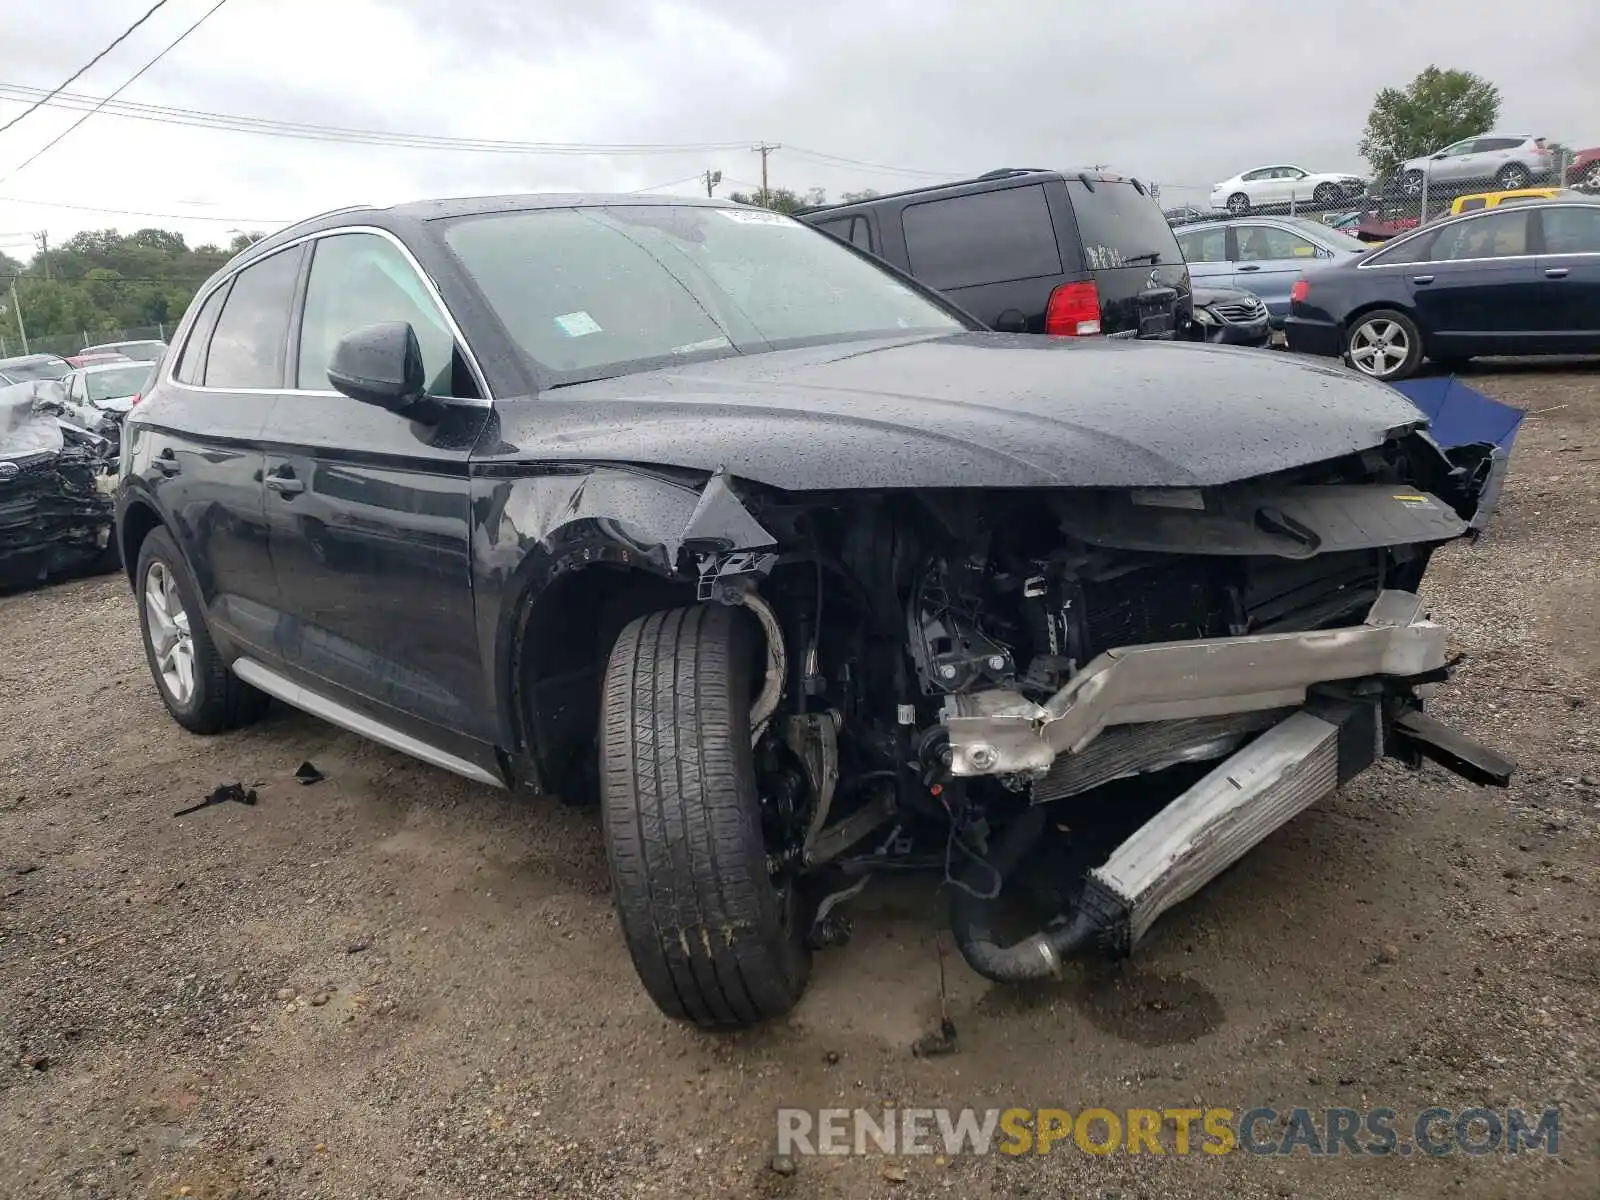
(1384, 344)
(713, 939)
(215, 699)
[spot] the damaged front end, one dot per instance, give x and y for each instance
(55, 485)
(980, 663)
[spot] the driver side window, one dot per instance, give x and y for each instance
(362, 279)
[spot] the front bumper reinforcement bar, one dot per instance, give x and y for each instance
(1002, 732)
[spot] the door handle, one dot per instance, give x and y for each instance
(1422, 279)
(284, 483)
(1555, 272)
(166, 462)
(1249, 267)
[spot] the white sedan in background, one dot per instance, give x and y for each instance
(1282, 185)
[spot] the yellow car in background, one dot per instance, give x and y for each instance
(1479, 200)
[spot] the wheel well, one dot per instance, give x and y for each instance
(1356, 314)
(563, 639)
(137, 522)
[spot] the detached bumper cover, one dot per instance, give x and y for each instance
(1002, 732)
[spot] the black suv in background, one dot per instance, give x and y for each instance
(1029, 251)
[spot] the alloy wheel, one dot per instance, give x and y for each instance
(1378, 348)
(167, 624)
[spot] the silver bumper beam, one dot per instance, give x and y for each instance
(1000, 732)
(1209, 827)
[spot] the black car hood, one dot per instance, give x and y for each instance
(968, 410)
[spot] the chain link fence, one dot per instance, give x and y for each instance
(64, 344)
(1462, 178)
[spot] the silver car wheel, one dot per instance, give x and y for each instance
(167, 626)
(1378, 348)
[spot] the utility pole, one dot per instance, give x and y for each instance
(16, 307)
(43, 238)
(764, 149)
(712, 178)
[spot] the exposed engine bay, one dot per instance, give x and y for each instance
(942, 667)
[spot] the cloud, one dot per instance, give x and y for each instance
(1179, 94)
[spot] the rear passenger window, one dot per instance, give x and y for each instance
(192, 361)
(1571, 230)
(992, 237)
(1494, 235)
(247, 347)
(1205, 246)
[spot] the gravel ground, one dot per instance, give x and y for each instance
(396, 983)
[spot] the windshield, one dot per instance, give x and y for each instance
(113, 385)
(587, 293)
(39, 368)
(1330, 236)
(1121, 226)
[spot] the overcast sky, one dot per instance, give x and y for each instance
(1179, 93)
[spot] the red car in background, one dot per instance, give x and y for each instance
(1585, 170)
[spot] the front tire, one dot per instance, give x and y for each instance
(713, 939)
(195, 684)
(1384, 344)
(1325, 195)
(1513, 176)
(1239, 204)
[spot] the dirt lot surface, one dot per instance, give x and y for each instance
(396, 983)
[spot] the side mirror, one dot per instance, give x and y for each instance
(1441, 154)
(379, 364)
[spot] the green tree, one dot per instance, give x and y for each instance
(1435, 109)
(102, 281)
(783, 200)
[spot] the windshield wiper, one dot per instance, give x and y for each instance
(1153, 256)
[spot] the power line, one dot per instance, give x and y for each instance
(669, 183)
(204, 119)
(135, 212)
(873, 166)
(54, 92)
(170, 46)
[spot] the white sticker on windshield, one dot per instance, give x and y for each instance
(577, 324)
(716, 343)
(754, 216)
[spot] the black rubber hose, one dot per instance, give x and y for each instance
(1037, 956)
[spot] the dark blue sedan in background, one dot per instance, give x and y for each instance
(1523, 280)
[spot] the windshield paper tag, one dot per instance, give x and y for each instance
(577, 324)
(754, 216)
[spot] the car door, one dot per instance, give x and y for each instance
(1295, 189)
(77, 400)
(1206, 252)
(1477, 292)
(1453, 163)
(368, 508)
(1568, 278)
(198, 444)
(1268, 260)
